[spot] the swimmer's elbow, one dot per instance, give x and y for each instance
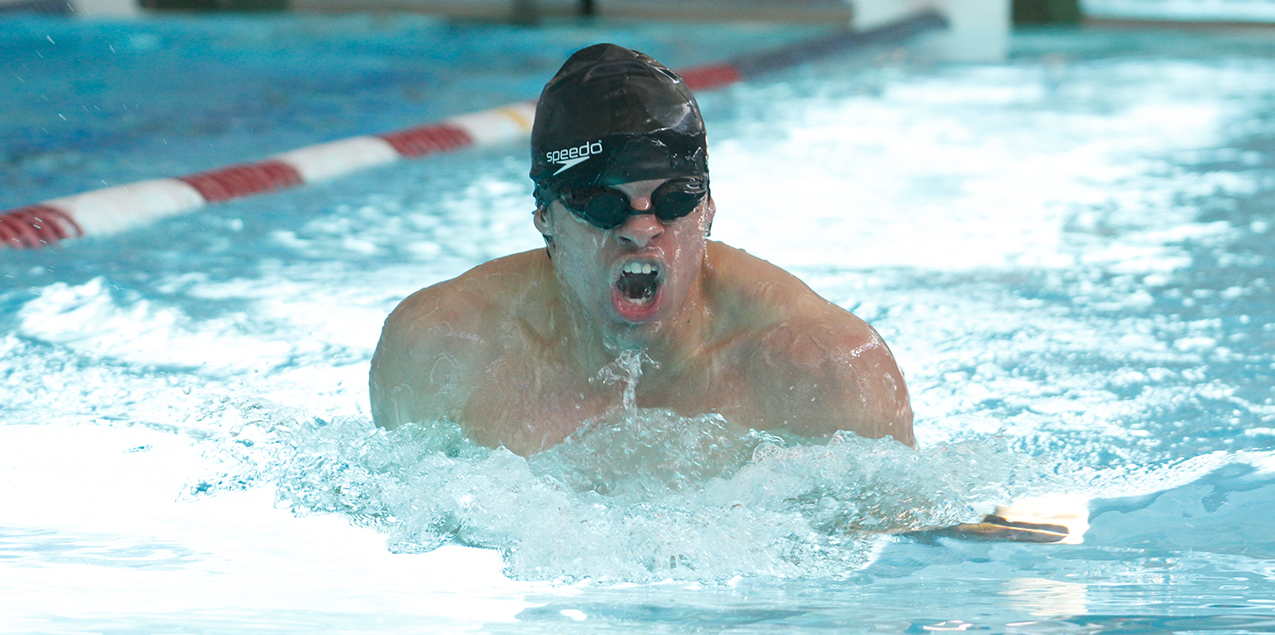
(384, 410)
(386, 384)
(900, 426)
(874, 389)
(382, 419)
(893, 408)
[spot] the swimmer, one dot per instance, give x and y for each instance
(516, 351)
(513, 349)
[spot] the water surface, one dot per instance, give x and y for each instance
(1069, 254)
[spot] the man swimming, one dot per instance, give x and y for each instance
(512, 350)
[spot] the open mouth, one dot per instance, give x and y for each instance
(638, 290)
(639, 281)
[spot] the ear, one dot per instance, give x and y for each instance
(541, 219)
(710, 211)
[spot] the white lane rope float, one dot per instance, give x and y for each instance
(115, 209)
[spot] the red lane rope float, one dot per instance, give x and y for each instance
(417, 142)
(36, 225)
(115, 209)
(711, 76)
(243, 180)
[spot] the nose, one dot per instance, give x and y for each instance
(638, 230)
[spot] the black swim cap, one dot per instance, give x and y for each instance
(612, 116)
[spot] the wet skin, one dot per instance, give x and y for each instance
(512, 349)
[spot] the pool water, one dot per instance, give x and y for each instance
(1068, 252)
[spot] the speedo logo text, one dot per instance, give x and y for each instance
(571, 157)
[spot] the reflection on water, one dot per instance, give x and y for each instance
(1046, 598)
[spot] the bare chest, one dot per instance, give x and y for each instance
(528, 406)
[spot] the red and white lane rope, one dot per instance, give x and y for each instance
(115, 209)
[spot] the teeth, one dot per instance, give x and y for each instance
(634, 267)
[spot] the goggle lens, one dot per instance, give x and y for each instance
(606, 207)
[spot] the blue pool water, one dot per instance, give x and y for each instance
(1069, 253)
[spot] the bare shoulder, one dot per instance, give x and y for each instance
(454, 311)
(762, 296)
(438, 338)
(818, 367)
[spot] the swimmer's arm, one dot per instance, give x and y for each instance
(840, 375)
(395, 393)
(392, 396)
(1052, 518)
(878, 393)
(417, 370)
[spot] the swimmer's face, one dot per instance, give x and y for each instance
(634, 277)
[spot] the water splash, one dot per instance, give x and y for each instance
(626, 370)
(644, 496)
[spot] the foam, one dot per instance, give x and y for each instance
(644, 497)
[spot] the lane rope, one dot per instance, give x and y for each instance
(119, 208)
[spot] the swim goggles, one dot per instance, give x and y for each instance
(606, 207)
